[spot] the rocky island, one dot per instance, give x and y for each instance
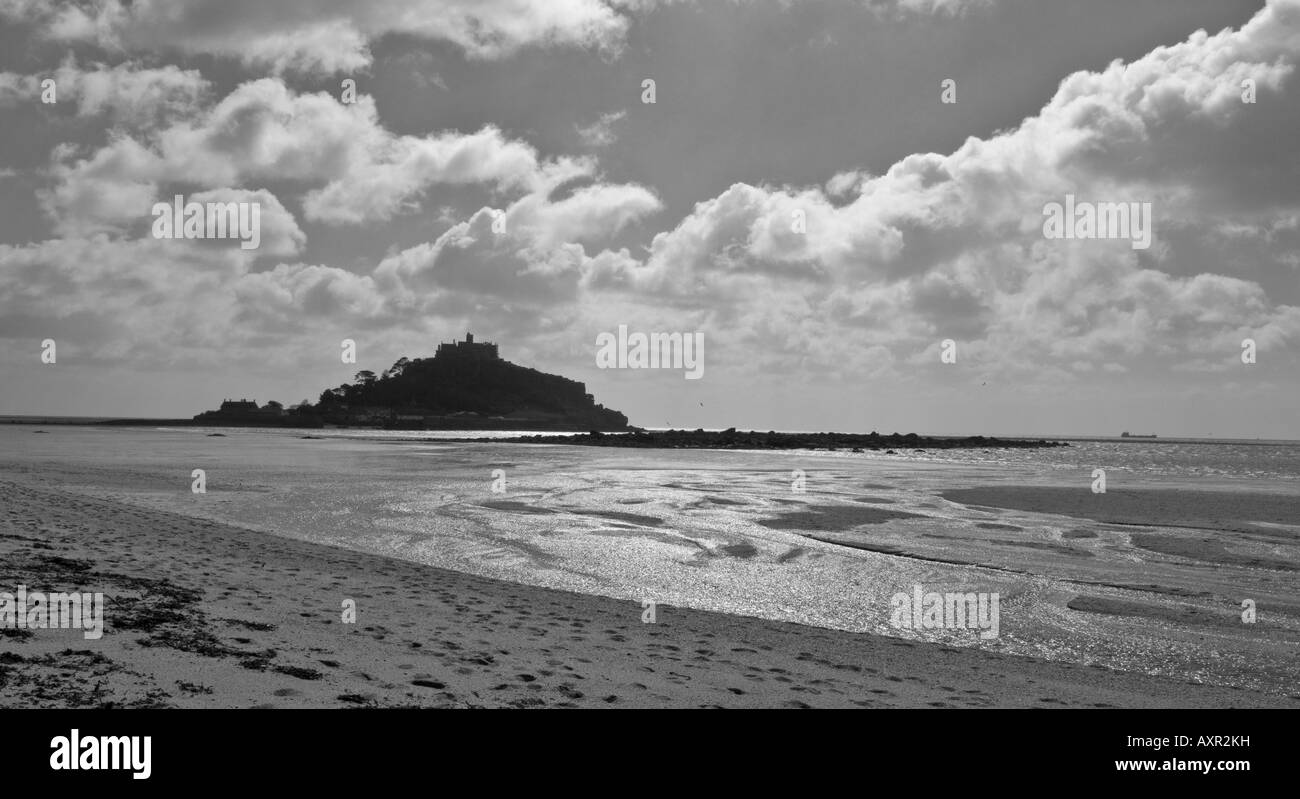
(466, 385)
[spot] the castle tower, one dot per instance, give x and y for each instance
(469, 349)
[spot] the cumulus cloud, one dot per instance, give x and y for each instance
(128, 92)
(110, 190)
(875, 268)
(951, 245)
(333, 36)
(383, 182)
(532, 253)
(352, 169)
(355, 169)
(278, 234)
(325, 36)
(95, 287)
(290, 296)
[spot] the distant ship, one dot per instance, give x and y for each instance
(1127, 434)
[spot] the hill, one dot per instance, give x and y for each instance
(465, 385)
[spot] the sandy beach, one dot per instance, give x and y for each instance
(205, 614)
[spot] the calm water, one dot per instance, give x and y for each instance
(1209, 460)
(1212, 460)
(1216, 461)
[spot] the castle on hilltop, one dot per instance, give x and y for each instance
(468, 350)
(466, 385)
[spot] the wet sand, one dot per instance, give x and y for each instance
(1230, 511)
(1240, 528)
(206, 614)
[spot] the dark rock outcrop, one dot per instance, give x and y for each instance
(731, 439)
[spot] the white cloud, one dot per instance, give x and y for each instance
(325, 35)
(600, 133)
(536, 255)
(933, 7)
(129, 93)
(951, 245)
(937, 246)
(113, 188)
(334, 36)
(292, 295)
(353, 169)
(384, 182)
(279, 234)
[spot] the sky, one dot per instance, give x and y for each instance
(807, 193)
